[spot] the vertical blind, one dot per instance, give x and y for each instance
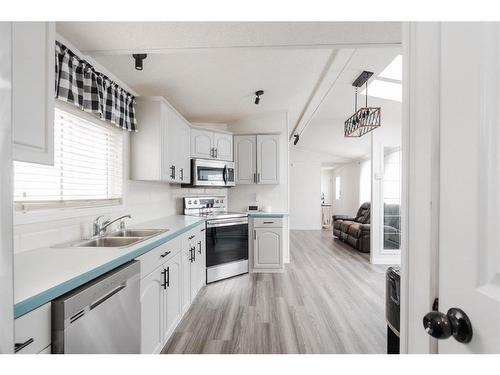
(87, 167)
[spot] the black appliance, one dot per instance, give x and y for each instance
(392, 308)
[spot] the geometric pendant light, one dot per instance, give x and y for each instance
(366, 118)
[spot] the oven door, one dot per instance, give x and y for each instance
(227, 241)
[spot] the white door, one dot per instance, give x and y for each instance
(152, 310)
(469, 221)
(268, 159)
(245, 157)
(267, 248)
(223, 144)
(186, 278)
(201, 143)
(185, 153)
(173, 294)
(33, 87)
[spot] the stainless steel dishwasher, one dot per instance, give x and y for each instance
(102, 316)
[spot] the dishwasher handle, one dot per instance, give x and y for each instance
(107, 296)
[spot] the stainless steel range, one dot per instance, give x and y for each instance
(226, 236)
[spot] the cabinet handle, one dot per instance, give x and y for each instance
(20, 346)
(168, 276)
(254, 234)
(202, 230)
(165, 254)
(194, 254)
(255, 178)
(164, 273)
(191, 237)
(258, 178)
(172, 175)
(216, 152)
(199, 243)
(212, 152)
(182, 174)
(268, 222)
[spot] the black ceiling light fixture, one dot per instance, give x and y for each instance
(257, 96)
(365, 119)
(139, 58)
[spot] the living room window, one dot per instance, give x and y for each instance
(337, 188)
(87, 170)
(365, 182)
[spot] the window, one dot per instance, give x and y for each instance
(365, 182)
(87, 170)
(388, 84)
(337, 188)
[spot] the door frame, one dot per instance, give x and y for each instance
(420, 181)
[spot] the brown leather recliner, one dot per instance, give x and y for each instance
(354, 230)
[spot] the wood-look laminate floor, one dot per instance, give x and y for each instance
(330, 299)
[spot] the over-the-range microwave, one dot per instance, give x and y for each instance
(212, 173)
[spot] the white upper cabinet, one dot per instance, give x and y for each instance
(245, 157)
(160, 150)
(33, 74)
(257, 159)
(207, 144)
(201, 143)
(223, 144)
(268, 159)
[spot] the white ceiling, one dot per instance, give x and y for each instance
(218, 85)
(209, 71)
(124, 37)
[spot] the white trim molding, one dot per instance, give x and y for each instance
(420, 216)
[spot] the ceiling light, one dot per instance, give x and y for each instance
(366, 118)
(139, 58)
(394, 70)
(257, 96)
(385, 90)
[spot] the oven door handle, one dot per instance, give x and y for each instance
(216, 224)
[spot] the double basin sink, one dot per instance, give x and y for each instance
(118, 239)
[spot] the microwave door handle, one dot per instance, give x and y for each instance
(224, 175)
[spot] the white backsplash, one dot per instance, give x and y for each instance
(144, 201)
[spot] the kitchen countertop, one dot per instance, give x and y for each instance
(44, 274)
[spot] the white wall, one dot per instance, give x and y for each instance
(305, 191)
(348, 203)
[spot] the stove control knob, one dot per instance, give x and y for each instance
(189, 202)
(217, 201)
(195, 202)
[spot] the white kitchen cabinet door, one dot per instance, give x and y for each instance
(245, 155)
(195, 270)
(267, 248)
(184, 155)
(223, 144)
(202, 143)
(186, 278)
(152, 312)
(173, 295)
(201, 267)
(33, 62)
(268, 159)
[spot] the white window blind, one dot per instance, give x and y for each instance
(87, 168)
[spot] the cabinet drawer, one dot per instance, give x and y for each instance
(33, 330)
(192, 236)
(272, 222)
(159, 255)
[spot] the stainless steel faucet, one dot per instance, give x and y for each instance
(101, 228)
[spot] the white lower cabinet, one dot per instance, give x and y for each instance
(267, 249)
(167, 292)
(152, 311)
(32, 331)
(173, 295)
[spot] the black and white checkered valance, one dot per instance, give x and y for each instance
(79, 83)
